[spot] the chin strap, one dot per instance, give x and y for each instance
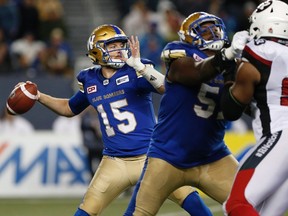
(216, 45)
(116, 63)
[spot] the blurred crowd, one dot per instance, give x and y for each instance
(157, 22)
(33, 33)
(33, 39)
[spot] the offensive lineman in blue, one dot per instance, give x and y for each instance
(119, 88)
(187, 146)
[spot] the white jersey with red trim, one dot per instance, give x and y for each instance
(261, 184)
(271, 94)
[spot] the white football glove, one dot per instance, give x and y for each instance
(135, 63)
(237, 45)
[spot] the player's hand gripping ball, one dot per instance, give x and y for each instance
(22, 98)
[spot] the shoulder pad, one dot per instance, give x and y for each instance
(173, 54)
(147, 61)
(176, 49)
(173, 50)
(83, 75)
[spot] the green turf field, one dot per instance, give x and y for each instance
(66, 207)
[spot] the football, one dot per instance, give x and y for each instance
(22, 98)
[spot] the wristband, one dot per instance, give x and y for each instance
(135, 63)
(155, 78)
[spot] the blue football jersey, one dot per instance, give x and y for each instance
(124, 105)
(190, 128)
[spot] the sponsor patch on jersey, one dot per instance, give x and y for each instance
(92, 89)
(197, 58)
(122, 80)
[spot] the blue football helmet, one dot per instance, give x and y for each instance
(191, 31)
(97, 45)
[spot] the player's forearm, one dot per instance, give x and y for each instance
(206, 70)
(213, 66)
(190, 73)
(155, 78)
(57, 105)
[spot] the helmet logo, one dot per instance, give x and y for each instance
(263, 6)
(104, 34)
(90, 43)
(270, 19)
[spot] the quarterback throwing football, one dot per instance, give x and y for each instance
(119, 87)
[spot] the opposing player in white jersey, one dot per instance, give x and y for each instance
(187, 146)
(123, 101)
(261, 184)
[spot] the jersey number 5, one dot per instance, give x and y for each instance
(207, 107)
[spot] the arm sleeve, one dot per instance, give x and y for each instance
(144, 86)
(154, 77)
(231, 108)
(78, 102)
(142, 83)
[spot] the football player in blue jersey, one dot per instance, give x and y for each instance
(187, 146)
(119, 88)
